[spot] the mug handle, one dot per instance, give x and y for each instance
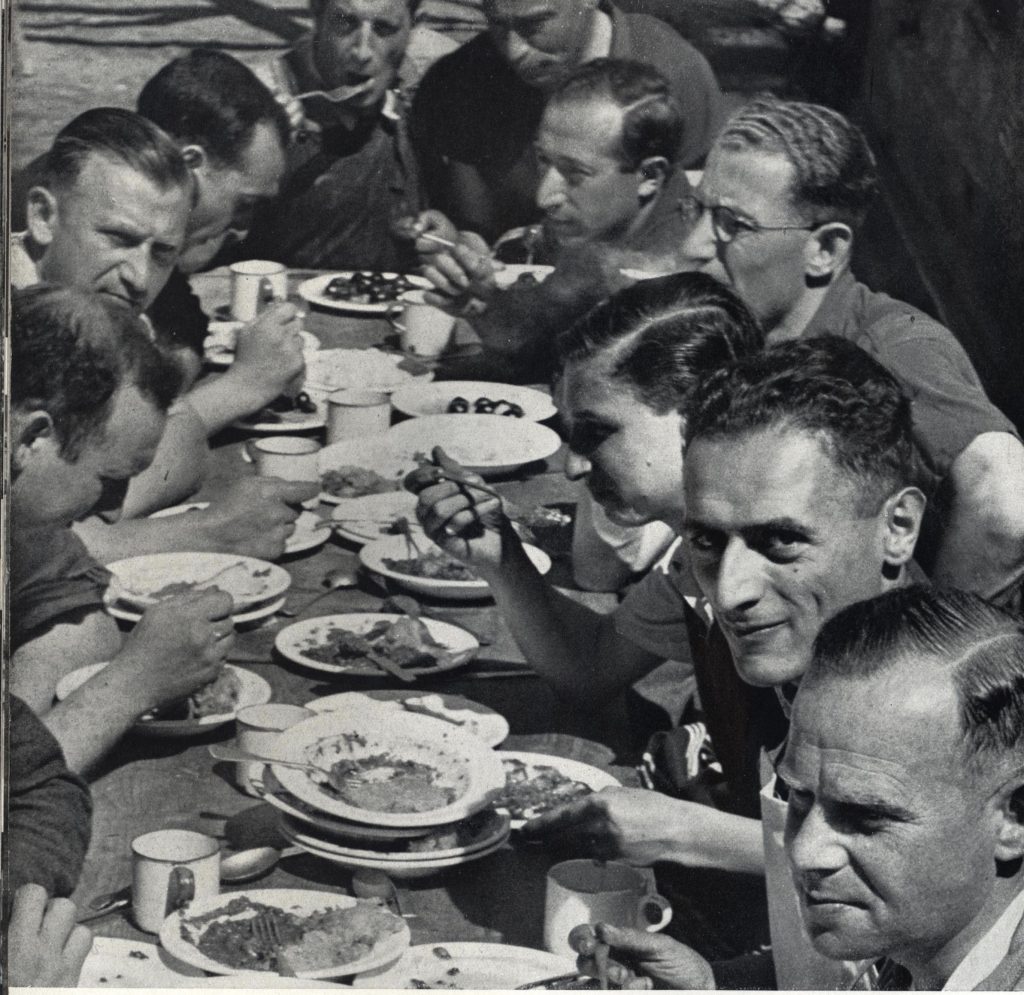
(653, 913)
(181, 889)
(392, 313)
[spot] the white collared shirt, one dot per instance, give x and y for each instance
(985, 955)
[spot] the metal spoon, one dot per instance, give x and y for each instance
(333, 579)
(234, 755)
(369, 883)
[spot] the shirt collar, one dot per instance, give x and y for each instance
(986, 954)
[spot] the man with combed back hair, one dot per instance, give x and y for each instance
(782, 197)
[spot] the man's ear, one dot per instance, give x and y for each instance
(828, 250)
(41, 210)
(651, 176)
(194, 156)
(1010, 833)
(31, 431)
(903, 514)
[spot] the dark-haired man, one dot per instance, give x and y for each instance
(89, 395)
(904, 772)
(784, 191)
(476, 113)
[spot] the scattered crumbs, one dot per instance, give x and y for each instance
(138, 955)
(103, 981)
(442, 953)
(451, 972)
(417, 983)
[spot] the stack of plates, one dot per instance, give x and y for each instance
(404, 844)
(256, 586)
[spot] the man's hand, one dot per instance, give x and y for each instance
(45, 949)
(641, 960)
(254, 517)
(632, 824)
(268, 354)
(465, 519)
(179, 645)
(462, 274)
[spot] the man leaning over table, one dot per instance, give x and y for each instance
(904, 773)
(775, 216)
(771, 549)
(476, 113)
(351, 172)
(609, 194)
(110, 216)
(89, 395)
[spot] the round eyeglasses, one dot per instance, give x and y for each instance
(726, 224)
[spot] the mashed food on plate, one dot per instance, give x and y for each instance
(383, 783)
(356, 481)
(531, 789)
(215, 698)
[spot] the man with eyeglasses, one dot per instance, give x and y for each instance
(785, 189)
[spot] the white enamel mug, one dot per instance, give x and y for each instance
(170, 868)
(254, 282)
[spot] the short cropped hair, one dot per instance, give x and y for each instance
(980, 645)
(836, 175)
(117, 134)
(664, 336)
(208, 98)
(652, 123)
(827, 387)
(71, 350)
(317, 6)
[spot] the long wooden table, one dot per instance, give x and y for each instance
(151, 784)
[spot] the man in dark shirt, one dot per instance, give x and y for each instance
(477, 110)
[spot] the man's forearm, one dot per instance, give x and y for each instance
(222, 399)
(721, 841)
(140, 537)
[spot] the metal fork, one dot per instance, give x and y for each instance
(268, 934)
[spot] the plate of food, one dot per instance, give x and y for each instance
(363, 291)
(422, 567)
(143, 581)
(467, 966)
(238, 619)
(344, 644)
(480, 443)
(117, 963)
(521, 275)
(308, 532)
(537, 782)
(481, 721)
(365, 369)
(210, 706)
(423, 772)
(219, 345)
(301, 413)
(355, 468)
(323, 934)
(362, 519)
(480, 397)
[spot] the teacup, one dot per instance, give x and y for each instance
(592, 891)
(257, 726)
(353, 414)
(425, 330)
(253, 283)
(170, 868)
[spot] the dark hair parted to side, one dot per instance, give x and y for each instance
(210, 99)
(117, 134)
(827, 387)
(836, 175)
(652, 124)
(70, 352)
(664, 336)
(981, 645)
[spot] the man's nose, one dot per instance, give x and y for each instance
(576, 466)
(700, 245)
(135, 268)
(364, 48)
(740, 582)
(812, 845)
(550, 190)
(516, 47)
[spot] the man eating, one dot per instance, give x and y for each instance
(775, 216)
(476, 113)
(904, 772)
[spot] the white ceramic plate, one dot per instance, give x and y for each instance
(298, 901)
(463, 764)
(116, 963)
(511, 272)
(493, 832)
(482, 443)
(254, 690)
(376, 454)
(366, 518)
(219, 345)
(420, 400)
(595, 778)
(288, 421)
(249, 581)
(294, 640)
(364, 369)
(488, 966)
(373, 555)
(481, 721)
(313, 291)
(306, 534)
(239, 618)
(402, 870)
